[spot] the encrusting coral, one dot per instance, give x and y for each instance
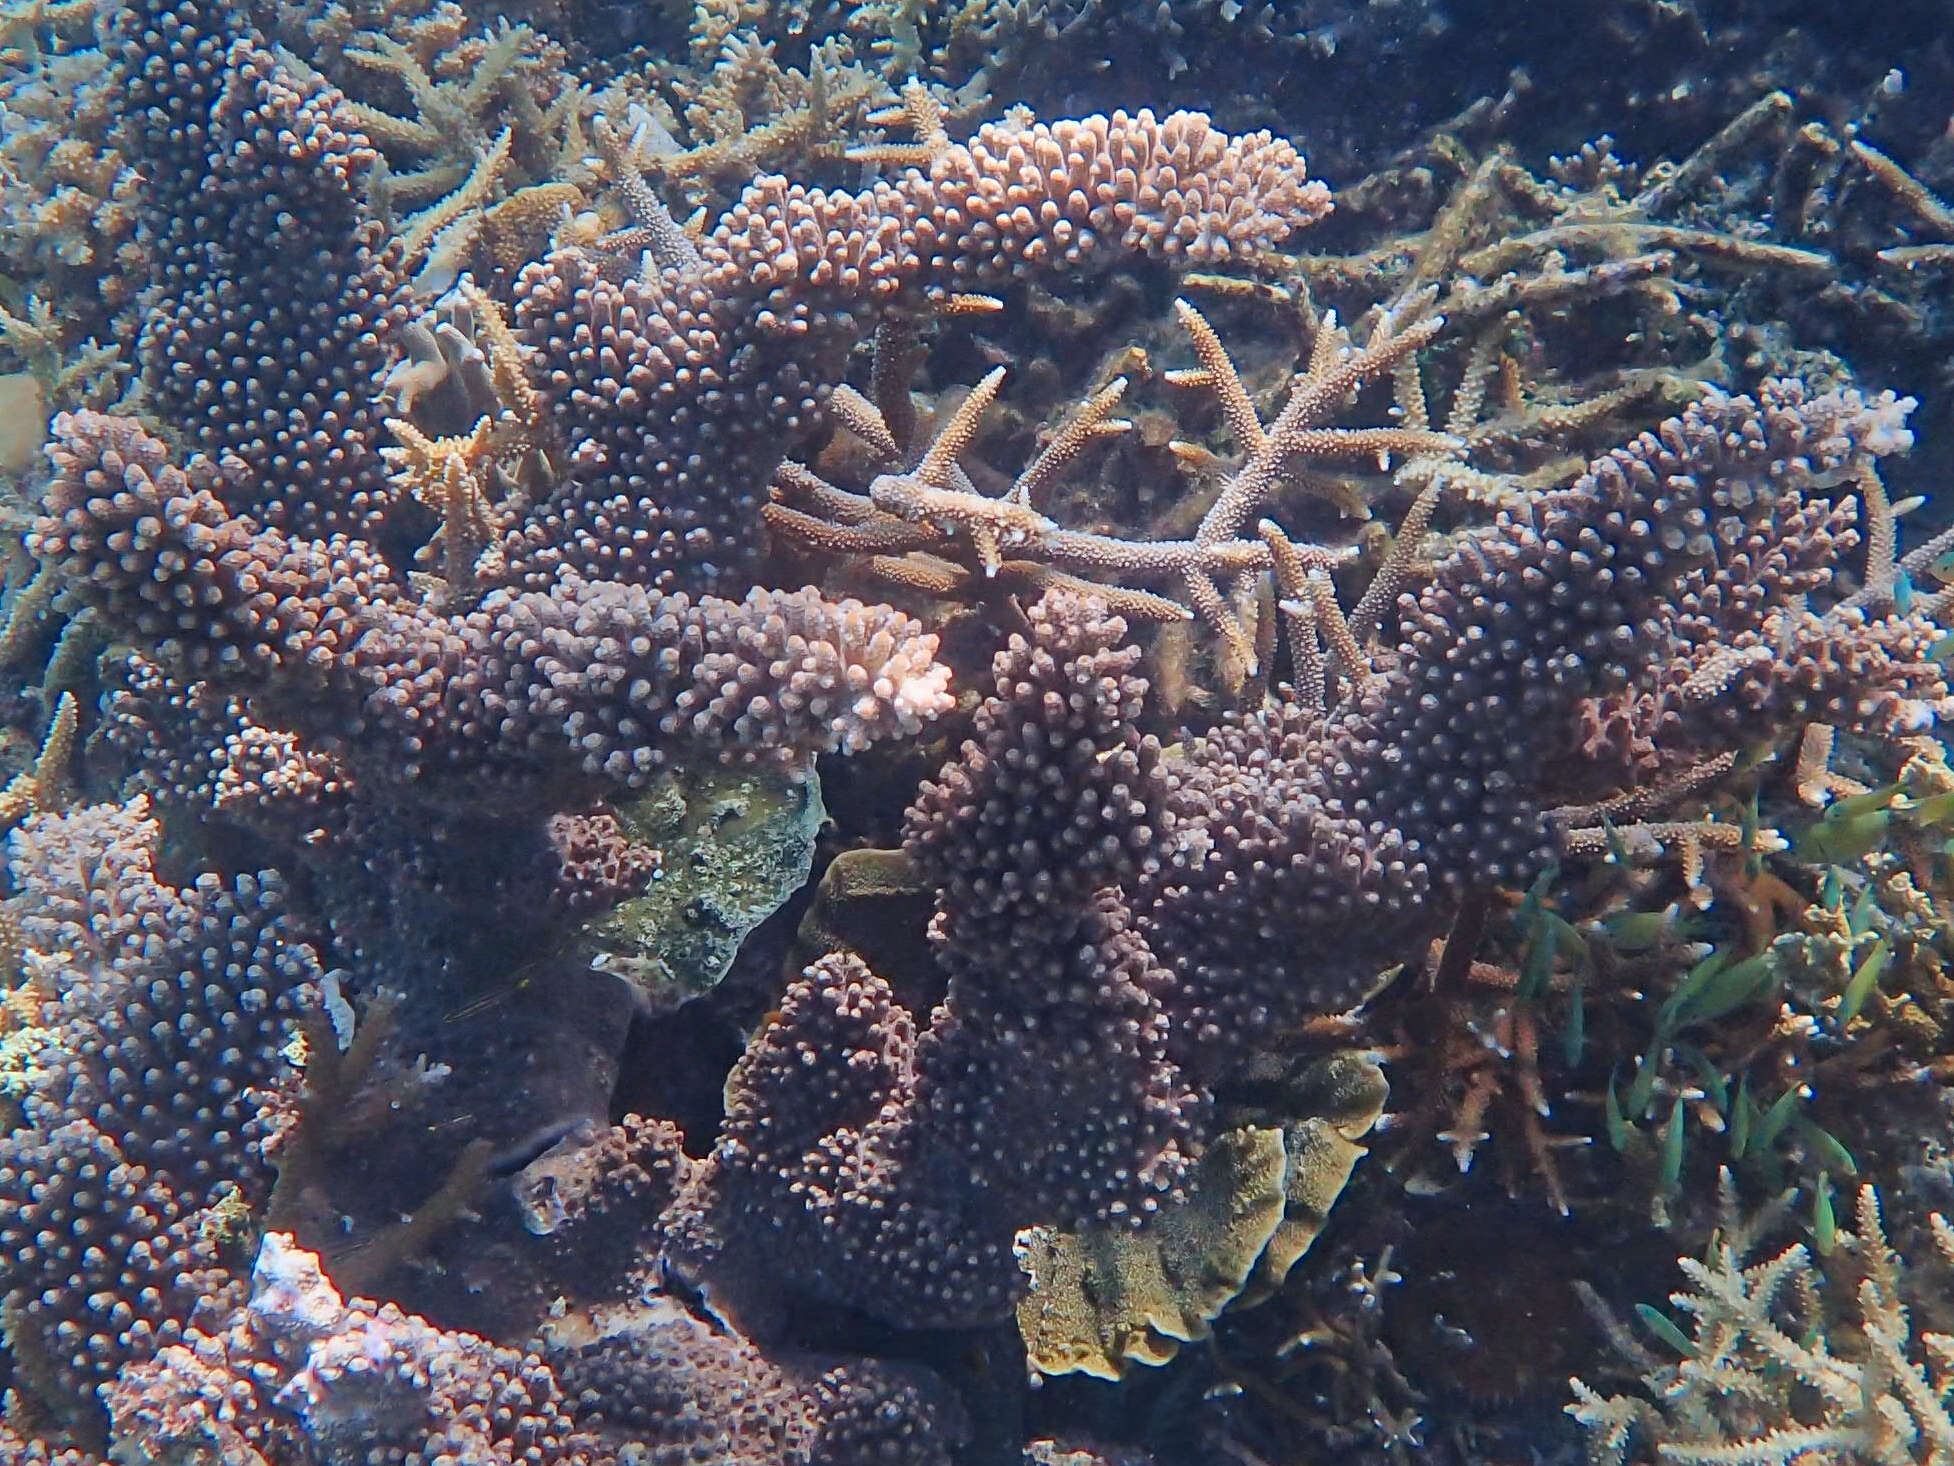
(1260, 1196)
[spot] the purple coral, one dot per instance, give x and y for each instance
(593, 673)
(1119, 927)
(1114, 928)
(155, 1098)
(274, 371)
(677, 392)
(594, 864)
(1343, 834)
(889, 1168)
(683, 1391)
(1759, 634)
(301, 1377)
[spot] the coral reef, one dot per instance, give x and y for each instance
(67, 192)
(732, 845)
(744, 758)
(301, 1375)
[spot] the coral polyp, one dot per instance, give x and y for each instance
(798, 735)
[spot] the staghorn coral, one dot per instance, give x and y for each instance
(298, 1375)
(665, 475)
(1417, 781)
(262, 612)
(323, 685)
(924, 510)
(1771, 1373)
(40, 787)
(1685, 991)
(67, 193)
(494, 111)
(222, 593)
(706, 130)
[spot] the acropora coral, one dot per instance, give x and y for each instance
(737, 751)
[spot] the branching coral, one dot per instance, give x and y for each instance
(271, 373)
(1771, 1374)
(261, 577)
(1330, 832)
(745, 114)
(299, 1375)
(67, 193)
(852, 1185)
(224, 594)
(1430, 747)
(680, 1390)
(150, 1112)
(675, 393)
(925, 502)
(716, 1218)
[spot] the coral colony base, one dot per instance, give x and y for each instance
(721, 756)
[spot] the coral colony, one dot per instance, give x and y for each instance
(723, 751)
